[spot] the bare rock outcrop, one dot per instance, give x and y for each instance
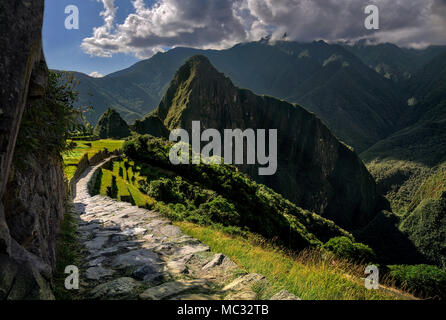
(32, 199)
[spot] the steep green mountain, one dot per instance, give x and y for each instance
(133, 92)
(393, 62)
(401, 162)
(111, 125)
(426, 222)
(123, 95)
(409, 165)
(152, 125)
(428, 92)
(358, 105)
(315, 170)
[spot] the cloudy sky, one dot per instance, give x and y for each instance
(113, 34)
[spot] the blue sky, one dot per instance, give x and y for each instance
(62, 47)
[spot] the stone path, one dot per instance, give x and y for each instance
(134, 253)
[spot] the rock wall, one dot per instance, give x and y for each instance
(32, 199)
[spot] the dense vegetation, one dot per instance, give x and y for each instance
(222, 195)
(345, 248)
(424, 280)
(111, 125)
(334, 184)
(409, 165)
(152, 125)
(426, 221)
(47, 122)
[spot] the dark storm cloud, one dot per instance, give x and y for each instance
(222, 23)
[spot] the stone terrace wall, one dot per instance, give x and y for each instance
(84, 164)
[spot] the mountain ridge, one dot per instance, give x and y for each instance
(358, 105)
(315, 170)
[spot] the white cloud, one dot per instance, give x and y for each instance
(223, 23)
(95, 74)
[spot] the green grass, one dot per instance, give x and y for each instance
(125, 186)
(106, 181)
(427, 281)
(71, 158)
(305, 275)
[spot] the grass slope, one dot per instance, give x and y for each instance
(71, 158)
(306, 275)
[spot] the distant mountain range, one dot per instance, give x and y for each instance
(337, 82)
(393, 62)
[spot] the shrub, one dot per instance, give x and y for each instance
(48, 122)
(424, 280)
(221, 211)
(346, 248)
(112, 191)
(163, 190)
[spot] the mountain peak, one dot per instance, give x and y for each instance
(111, 125)
(198, 66)
(197, 79)
(311, 158)
(199, 59)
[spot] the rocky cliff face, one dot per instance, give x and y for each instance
(32, 199)
(315, 170)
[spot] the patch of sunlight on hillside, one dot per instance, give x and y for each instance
(71, 158)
